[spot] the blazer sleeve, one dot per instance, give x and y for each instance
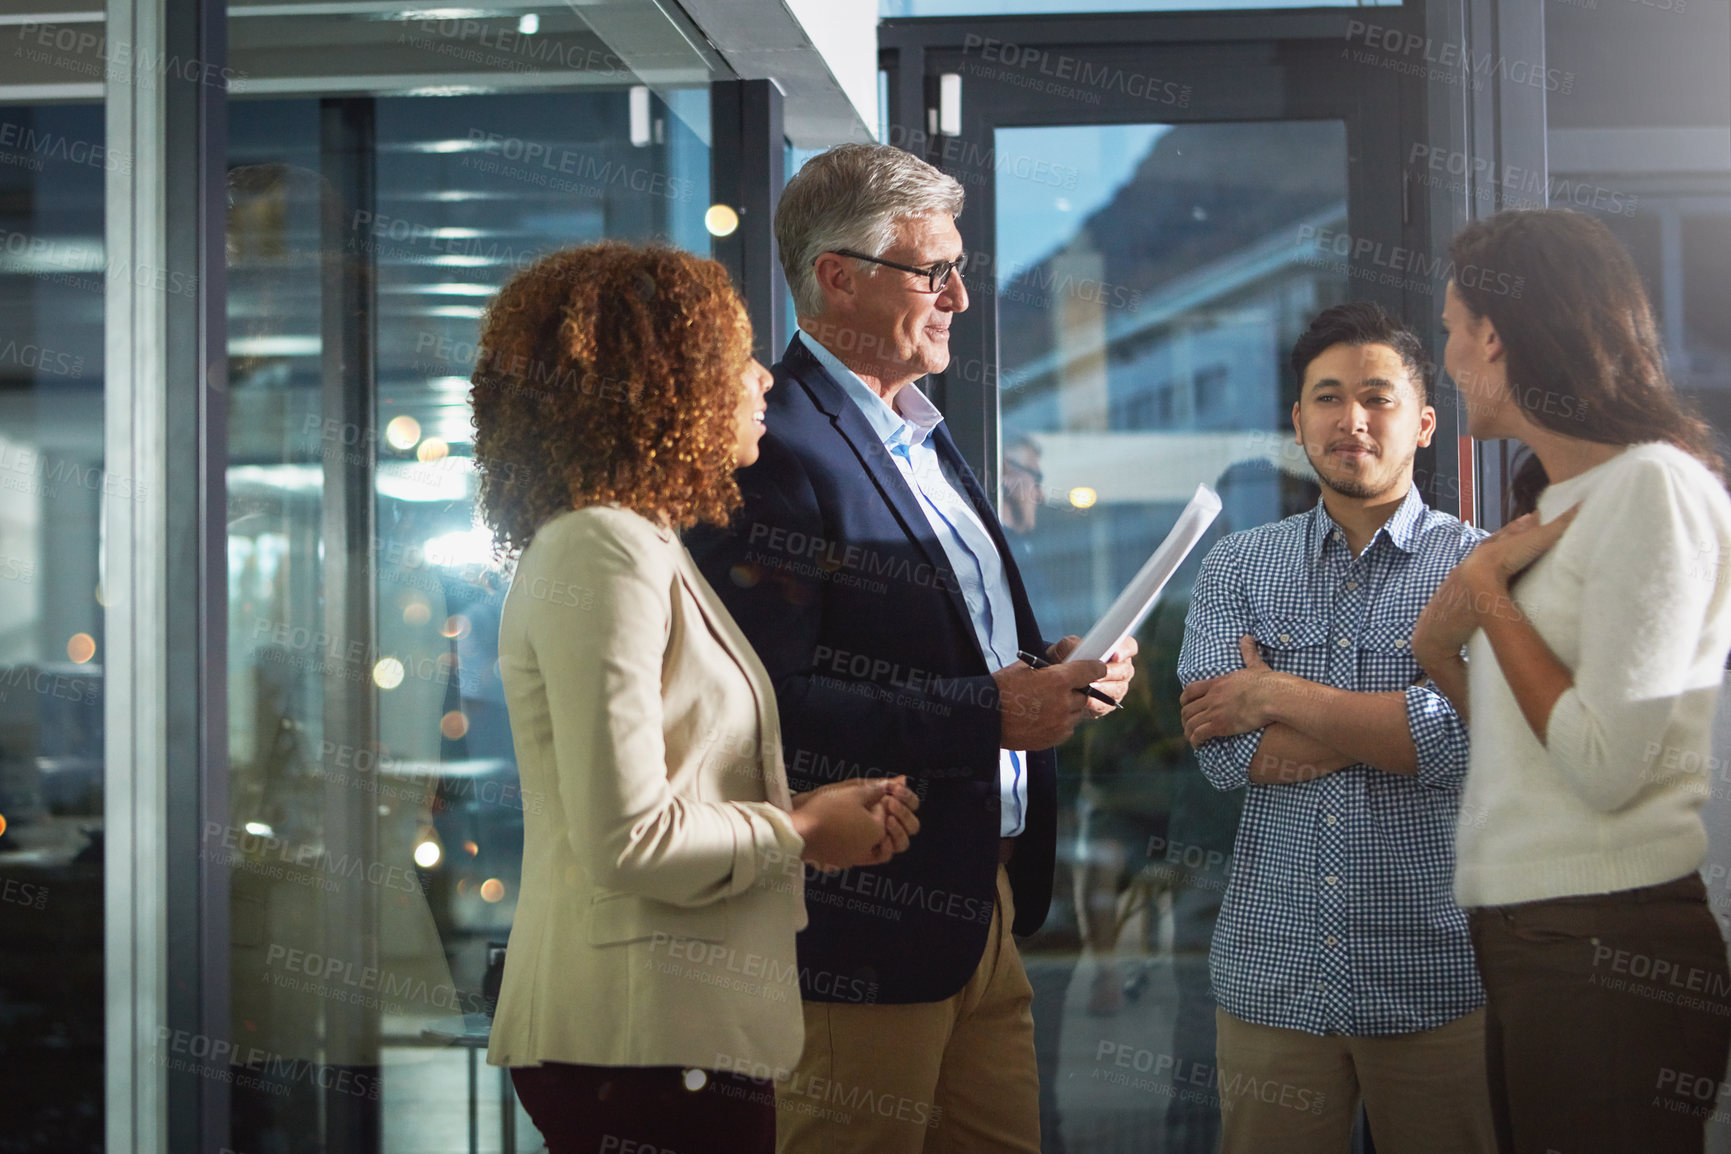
(896, 720)
(602, 667)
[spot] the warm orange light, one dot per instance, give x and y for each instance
(2, 823)
(402, 433)
(81, 648)
(432, 449)
(492, 890)
(453, 725)
(456, 625)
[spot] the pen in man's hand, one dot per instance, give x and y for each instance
(1041, 663)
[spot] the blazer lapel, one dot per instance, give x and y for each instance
(726, 630)
(826, 392)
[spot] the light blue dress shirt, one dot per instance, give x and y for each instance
(974, 559)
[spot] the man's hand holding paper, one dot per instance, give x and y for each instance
(1120, 669)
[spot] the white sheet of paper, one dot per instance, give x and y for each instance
(1133, 605)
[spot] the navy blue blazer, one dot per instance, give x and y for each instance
(835, 576)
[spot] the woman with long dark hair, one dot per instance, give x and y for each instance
(1591, 681)
(650, 985)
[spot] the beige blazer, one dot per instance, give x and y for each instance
(662, 886)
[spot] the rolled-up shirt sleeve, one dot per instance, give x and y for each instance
(1219, 615)
(1438, 738)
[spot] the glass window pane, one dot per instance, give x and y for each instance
(891, 8)
(52, 280)
(1150, 284)
(368, 947)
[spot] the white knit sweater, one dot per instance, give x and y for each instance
(1636, 601)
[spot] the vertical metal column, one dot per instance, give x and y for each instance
(747, 171)
(165, 448)
(1502, 124)
(351, 822)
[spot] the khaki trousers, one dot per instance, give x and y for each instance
(1287, 1090)
(950, 1077)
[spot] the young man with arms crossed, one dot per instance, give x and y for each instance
(1341, 963)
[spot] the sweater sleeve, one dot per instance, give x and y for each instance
(1644, 608)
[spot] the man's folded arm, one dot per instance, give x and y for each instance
(1285, 755)
(1367, 728)
(1219, 615)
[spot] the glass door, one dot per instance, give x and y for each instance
(1147, 290)
(373, 840)
(1153, 223)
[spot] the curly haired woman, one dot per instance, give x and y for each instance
(650, 976)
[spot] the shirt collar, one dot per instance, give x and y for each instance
(911, 425)
(1402, 529)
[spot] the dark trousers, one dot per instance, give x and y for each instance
(646, 1109)
(1609, 1020)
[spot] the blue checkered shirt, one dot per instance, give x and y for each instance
(1340, 917)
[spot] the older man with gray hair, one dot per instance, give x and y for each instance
(869, 570)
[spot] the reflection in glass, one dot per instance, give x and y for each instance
(1152, 281)
(891, 8)
(52, 487)
(376, 821)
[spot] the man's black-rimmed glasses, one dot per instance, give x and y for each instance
(937, 276)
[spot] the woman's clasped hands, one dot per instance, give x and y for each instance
(858, 822)
(1478, 587)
